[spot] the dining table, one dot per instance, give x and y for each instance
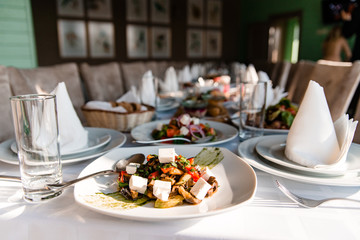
(268, 215)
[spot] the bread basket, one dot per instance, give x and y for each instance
(123, 122)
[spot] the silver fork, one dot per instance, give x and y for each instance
(306, 202)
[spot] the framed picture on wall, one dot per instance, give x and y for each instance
(213, 43)
(137, 41)
(195, 39)
(214, 13)
(70, 8)
(160, 42)
(136, 10)
(160, 11)
(72, 38)
(99, 9)
(101, 39)
(195, 12)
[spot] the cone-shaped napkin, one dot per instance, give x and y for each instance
(314, 140)
(73, 136)
(147, 89)
(251, 75)
(170, 83)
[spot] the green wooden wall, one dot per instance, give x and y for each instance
(17, 46)
(313, 31)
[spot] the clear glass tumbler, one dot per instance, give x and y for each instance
(37, 139)
(252, 109)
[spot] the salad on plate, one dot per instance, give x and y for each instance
(167, 178)
(183, 126)
(281, 115)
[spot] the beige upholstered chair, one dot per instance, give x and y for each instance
(7, 130)
(102, 82)
(300, 80)
(132, 74)
(45, 79)
(357, 118)
(339, 80)
(280, 74)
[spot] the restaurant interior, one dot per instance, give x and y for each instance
(242, 96)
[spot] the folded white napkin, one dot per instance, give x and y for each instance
(251, 75)
(185, 75)
(314, 140)
(73, 136)
(147, 89)
(130, 96)
(170, 83)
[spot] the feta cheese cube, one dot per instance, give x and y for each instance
(200, 189)
(159, 126)
(132, 167)
(185, 119)
(195, 120)
(138, 184)
(206, 173)
(162, 189)
(184, 130)
(166, 155)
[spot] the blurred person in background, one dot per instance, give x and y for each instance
(335, 45)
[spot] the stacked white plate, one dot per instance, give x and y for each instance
(267, 154)
(100, 141)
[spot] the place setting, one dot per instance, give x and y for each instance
(77, 143)
(316, 149)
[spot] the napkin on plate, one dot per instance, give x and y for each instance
(251, 75)
(170, 83)
(273, 95)
(147, 89)
(73, 136)
(314, 140)
(185, 75)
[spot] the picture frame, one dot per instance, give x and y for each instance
(160, 11)
(72, 38)
(195, 46)
(70, 8)
(99, 9)
(214, 13)
(101, 39)
(160, 42)
(137, 41)
(136, 10)
(195, 12)
(213, 43)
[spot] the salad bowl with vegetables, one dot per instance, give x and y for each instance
(197, 182)
(187, 127)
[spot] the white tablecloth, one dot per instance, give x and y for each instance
(269, 216)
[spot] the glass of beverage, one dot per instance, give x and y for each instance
(252, 109)
(37, 139)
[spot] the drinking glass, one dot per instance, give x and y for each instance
(37, 139)
(252, 109)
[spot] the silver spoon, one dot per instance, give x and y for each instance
(119, 166)
(200, 140)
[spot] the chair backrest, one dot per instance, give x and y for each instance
(132, 74)
(339, 81)
(45, 79)
(300, 80)
(102, 82)
(7, 129)
(357, 118)
(280, 74)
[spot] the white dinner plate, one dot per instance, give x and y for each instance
(236, 121)
(272, 148)
(167, 104)
(248, 153)
(224, 132)
(96, 139)
(117, 139)
(237, 185)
